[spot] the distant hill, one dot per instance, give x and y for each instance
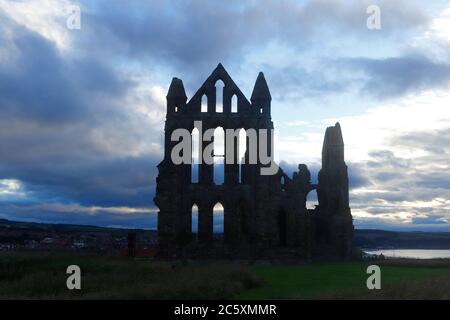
(16, 235)
(401, 240)
(364, 238)
(64, 228)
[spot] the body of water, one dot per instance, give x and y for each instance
(411, 253)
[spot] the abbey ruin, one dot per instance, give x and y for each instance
(264, 215)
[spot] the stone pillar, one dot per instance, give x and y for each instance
(229, 228)
(205, 225)
(206, 170)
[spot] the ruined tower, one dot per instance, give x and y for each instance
(264, 214)
(334, 223)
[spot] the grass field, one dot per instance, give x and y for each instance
(42, 275)
(348, 280)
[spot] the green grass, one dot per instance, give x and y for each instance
(337, 280)
(42, 275)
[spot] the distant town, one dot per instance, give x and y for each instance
(29, 236)
(18, 236)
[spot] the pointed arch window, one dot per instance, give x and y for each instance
(218, 219)
(242, 147)
(234, 107)
(204, 103)
(194, 156)
(312, 200)
(219, 96)
(194, 219)
(219, 156)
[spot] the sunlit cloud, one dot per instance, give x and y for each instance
(47, 18)
(11, 188)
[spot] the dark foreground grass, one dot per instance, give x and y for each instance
(42, 275)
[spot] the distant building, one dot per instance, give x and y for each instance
(78, 245)
(48, 240)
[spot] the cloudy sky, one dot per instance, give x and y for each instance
(82, 110)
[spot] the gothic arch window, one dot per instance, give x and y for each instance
(218, 219)
(204, 103)
(283, 183)
(311, 200)
(242, 148)
(219, 96)
(219, 156)
(194, 220)
(234, 104)
(195, 156)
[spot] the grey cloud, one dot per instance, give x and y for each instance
(436, 142)
(296, 82)
(430, 220)
(44, 87)
(392, 77)
(64, 131)
(408, 184)
(195, 35)
(48, 214)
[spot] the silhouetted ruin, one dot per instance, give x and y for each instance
(264, 215)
